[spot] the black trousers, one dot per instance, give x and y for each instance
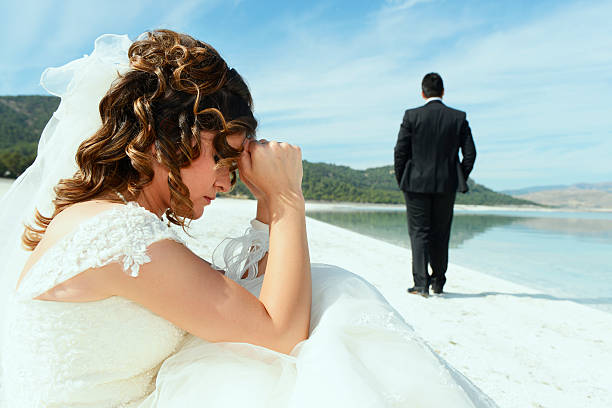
(429, 224)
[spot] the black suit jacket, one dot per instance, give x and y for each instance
(427, 150)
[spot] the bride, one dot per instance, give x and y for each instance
(107, 307)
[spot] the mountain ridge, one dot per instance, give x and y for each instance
(376, 185)
(585, 196)
(22, 119)
(602, 186)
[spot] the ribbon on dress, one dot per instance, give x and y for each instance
(240, 255)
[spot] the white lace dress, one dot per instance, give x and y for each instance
(115, 353)
(88, 354)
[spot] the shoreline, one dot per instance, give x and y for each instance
(350, 206)
(313, 205)
(585, 297)
(522, 347)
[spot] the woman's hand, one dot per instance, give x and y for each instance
(275, 170)
(271, 169)
(257, 193)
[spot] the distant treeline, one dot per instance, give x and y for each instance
(22, 119)
(329, 182)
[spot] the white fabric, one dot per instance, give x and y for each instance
(99, 354)
(242, 254)
(120, 234)
(433, 98)
(259, 226)
(360, 353)
(81, 84)
(106, 353)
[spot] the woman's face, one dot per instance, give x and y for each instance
(202, 178)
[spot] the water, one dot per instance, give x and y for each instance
(565, 254)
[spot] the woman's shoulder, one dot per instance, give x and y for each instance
(100, 215)
(94, 234)
(76, 214)
(104, 228)
(67, 222)
(110, 229)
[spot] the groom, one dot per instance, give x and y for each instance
(429, 173)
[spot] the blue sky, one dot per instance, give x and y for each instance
(535, 77)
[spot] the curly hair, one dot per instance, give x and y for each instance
(176, 87)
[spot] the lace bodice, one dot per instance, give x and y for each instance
(101, 353)
(121, 234)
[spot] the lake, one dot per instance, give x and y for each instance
(565, 254)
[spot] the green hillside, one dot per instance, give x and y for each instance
(22, 119)
(329, 182)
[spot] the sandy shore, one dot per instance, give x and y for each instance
(5, 184)
(522, 347)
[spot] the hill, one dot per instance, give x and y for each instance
(606, 187)
(329, 182)
(22, 119)
(571, 197)
(579, 195)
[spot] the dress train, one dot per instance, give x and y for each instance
(360, 353)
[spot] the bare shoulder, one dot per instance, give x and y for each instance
(66, 221)
(166, 261)
(63, 224)
(179, 286)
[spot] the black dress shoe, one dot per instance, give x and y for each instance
(418, 291)
(437, 289)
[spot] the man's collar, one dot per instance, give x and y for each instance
(433, 98)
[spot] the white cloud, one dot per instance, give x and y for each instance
(60, 31)
(536, 92)
(529, 90)
(545, 88)
(180, 15)
(396, 5)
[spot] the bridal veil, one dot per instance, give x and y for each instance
(80, 84)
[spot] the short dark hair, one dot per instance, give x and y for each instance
(432, 85)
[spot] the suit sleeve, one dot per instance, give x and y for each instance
(403, 148)
(468, 149)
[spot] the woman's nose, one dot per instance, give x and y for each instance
(223, 180)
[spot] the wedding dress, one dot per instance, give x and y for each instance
(116, 353)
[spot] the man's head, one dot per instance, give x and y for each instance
(432, 85)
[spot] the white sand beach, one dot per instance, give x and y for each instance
(5, 184)
(522, 347)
